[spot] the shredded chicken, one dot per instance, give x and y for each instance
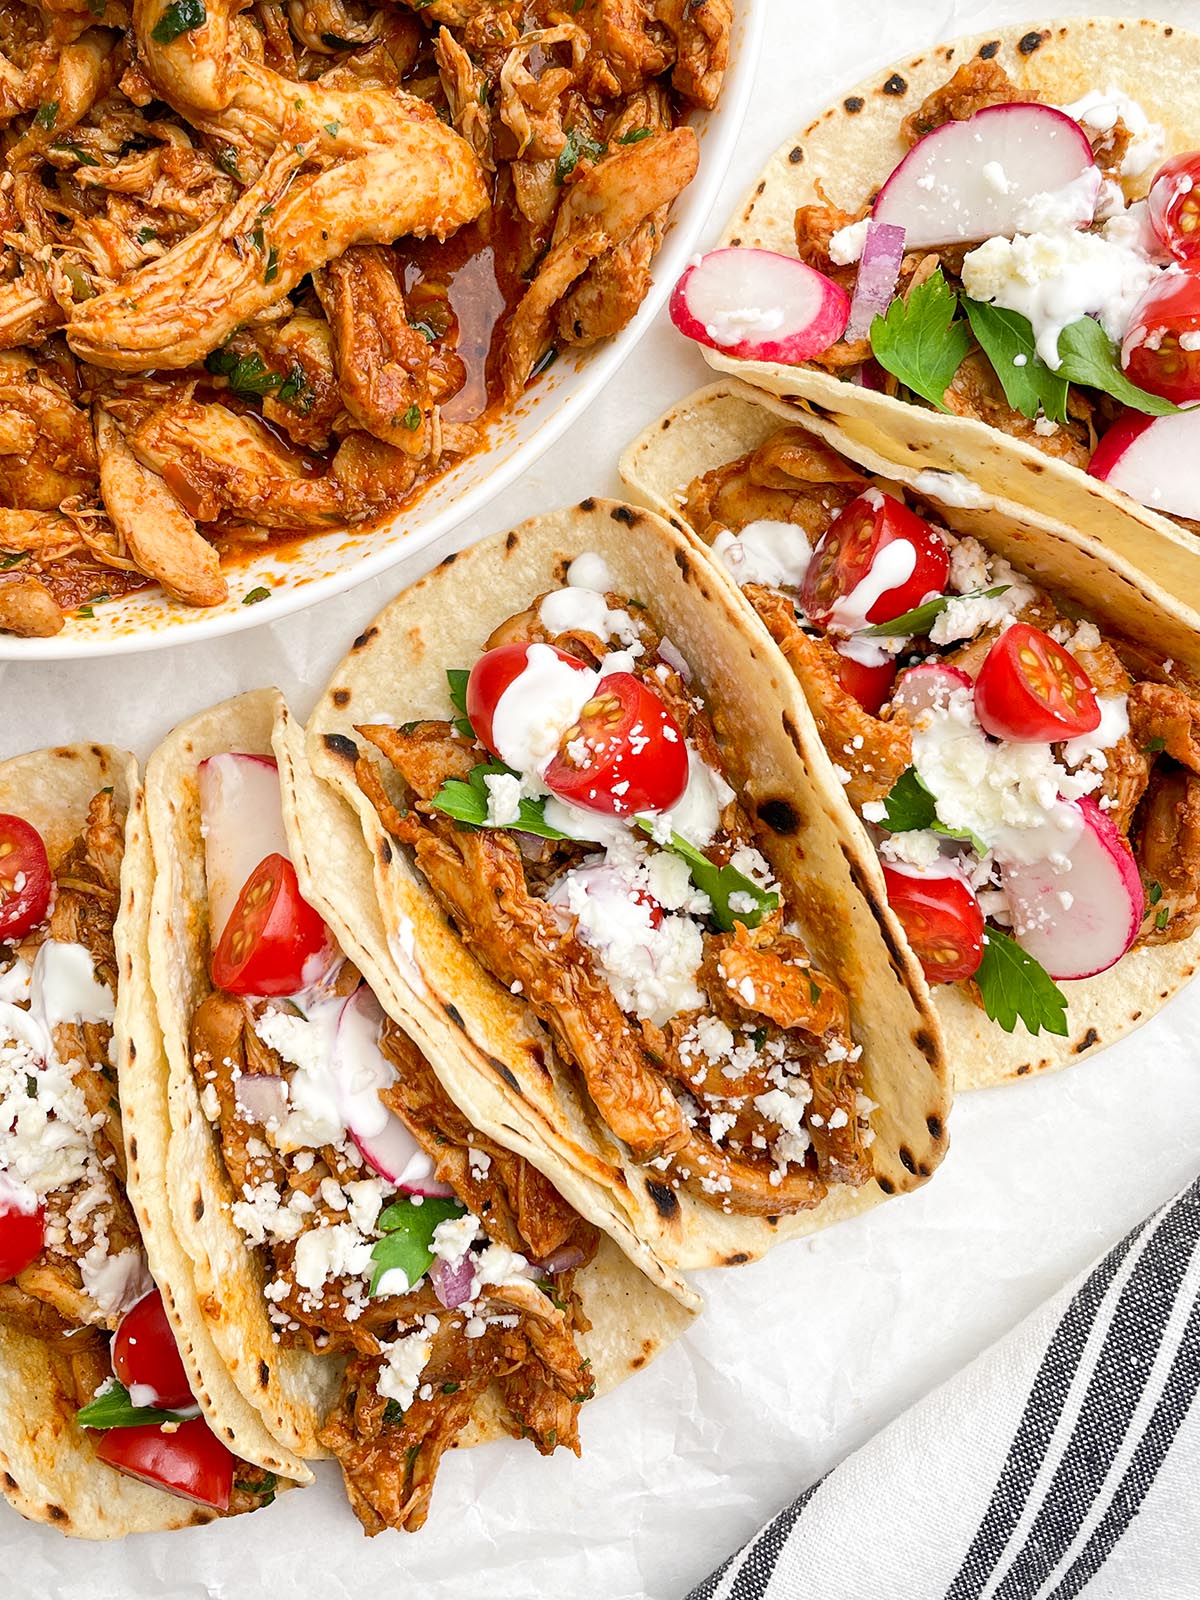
(367, 227)
(1167, 843)
(977, 84)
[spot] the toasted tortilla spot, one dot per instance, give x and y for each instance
(198, 1207)
(886, 1185)
(895, 85)
(624, 514)
(926, 1044)
(934, 1123)
(907, 1160)
(736, 1259)
(587, 505)
(264, 1374)
(1090, 1038)
(854, 104)
(365, 638)
(795, 155)
(665, 1199)
(506, 1073)
(987, 51)
(385, 851)
(780, 815)
(455, 1016)
(340, 697)
(339, 745)
(1032, 42)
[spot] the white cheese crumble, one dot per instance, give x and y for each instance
(1100, 109)
(773, 553)
(504, 798)
(404, 1360)
(847, 244)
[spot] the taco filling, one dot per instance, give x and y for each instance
(1032, 781)
(393, 1237)
(576, 822)
(1034, 267)
(73, 1273)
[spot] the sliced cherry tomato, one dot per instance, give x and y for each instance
(625, 754)
(144, 1352)
(22, 1231)
(1161, 351)
(24, 878)
(870, 686)
(191, 1461)
(271, 935)
(1173, 205)
(1032, 691)
(942, 920)
(849, 549)
(491, 676)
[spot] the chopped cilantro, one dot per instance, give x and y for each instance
(1162, 917)
(246, 374)
(919, 341)
(544, 362)
(1089, 357)
(1153, 746)
(334, 41)
(920, 619)
(272, 271)
(393, 1411)
(1006, 339)
(255, 596)
(333, 128)
(1154, 893)
(70, 147)
(579, 146)
(46, 116)
(451, 1388)
(113, 1408)
(411, 418)
(12, 558)
(466, 800)
(145, 234)
(634, 136)
(1012, 984)
(909, 805)
(227, 160)
(296, 391)
(457, 678)
(181, 16)
(408, 1237)
(424, 328)
(720, 884)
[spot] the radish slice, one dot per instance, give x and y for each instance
(361, 1070)
(242, 821)
(759, 306)
(1081, 920)
(878, 270)
(921, 688)
(983, 177)
(1154, 459)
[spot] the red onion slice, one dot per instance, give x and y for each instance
(262, 1096)
(883, 251)
(564, 1259)
(452, 1280)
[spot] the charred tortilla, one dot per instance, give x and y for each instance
(498, 1069)
(720, 423)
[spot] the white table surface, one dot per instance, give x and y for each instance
(797, 1359)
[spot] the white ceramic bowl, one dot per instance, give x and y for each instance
(327, 564)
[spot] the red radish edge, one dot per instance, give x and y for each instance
(1128, 427)
(946, 211)
(917, 689)
(801, 311)
(1097, 928)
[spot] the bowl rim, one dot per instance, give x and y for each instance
(726, 122)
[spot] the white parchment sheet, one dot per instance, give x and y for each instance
(796, 1360)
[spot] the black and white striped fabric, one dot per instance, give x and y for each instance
(1063, 1461)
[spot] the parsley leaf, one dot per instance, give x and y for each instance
(181, 16)
(919, 342)
(1030, 386)
(114, 1409)
(246, 374)
(909, 805)
(46, 116)
(579, 146)
(1089, 357)
(719, 883)
(457, 678)
(296, 391)
(920, 618)
(466, 800)
(1012, 984)
(634, 136)
(411, 418)
(408, 1236)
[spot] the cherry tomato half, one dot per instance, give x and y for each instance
(1173, 205)
(849, 549)
(1031, 690)
(24, 877)
(491, 676)
(144, 1352)
(625, 754)
(271, 935)
(942, 920)
(191, 1461)
(1165, 322)
(22, 1232)
(870, 686)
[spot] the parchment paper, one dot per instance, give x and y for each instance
(797, 1360)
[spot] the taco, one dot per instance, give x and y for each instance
(382, 1280)
(986, 259)
(97, 1415)
(1006, 707)
(644, 950)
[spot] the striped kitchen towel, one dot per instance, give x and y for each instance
(1063, 1461)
